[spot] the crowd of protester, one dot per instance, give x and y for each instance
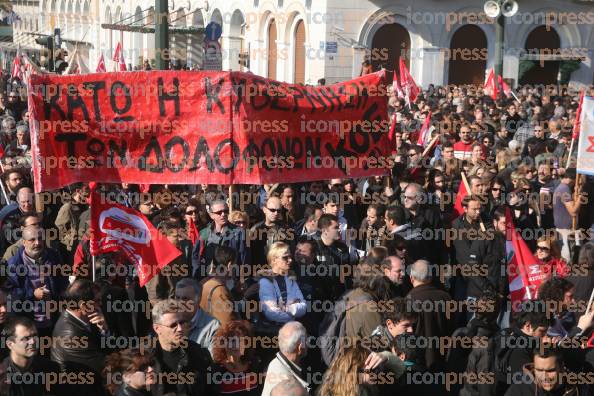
(333, 287)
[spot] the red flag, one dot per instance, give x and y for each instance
(525, 275)
(17, 71)
(578, 115)
(115, 227)
(462, 192)
(425, 132)
(392, 130)
(491, 85)
(101, 65)
(396, 86)
(122, 62)
(506, 88)
(118, 57)
(193, 234)
(116, 54)
(411, 91)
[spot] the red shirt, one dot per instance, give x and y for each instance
(463, 150)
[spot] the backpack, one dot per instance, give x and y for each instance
(333, 327)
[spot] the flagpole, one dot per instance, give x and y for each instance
(93, 267)
(570, 152)
(2, 185)
(514, 95)
(590, 301)
(428, 148)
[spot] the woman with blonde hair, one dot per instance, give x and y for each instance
(355, 371)
(279, 293)
(240, 219)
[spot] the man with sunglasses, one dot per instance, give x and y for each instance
(219, 232)
(181, 365)
(272, 229)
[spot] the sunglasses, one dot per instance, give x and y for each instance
(400, 247)
(191, 212)
(172, 326)
(273, 210)
(240, 222)
(220, 212)
(543, 248)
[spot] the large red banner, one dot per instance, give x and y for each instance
(176, 127)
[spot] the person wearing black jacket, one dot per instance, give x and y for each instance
(273, 229)
(181, 365)
(24, 361)
(513, 346)
(469, 245)
(79, 345)
(333, 255)
(423, 216)
(546, 374)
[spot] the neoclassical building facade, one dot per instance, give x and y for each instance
(301, 41)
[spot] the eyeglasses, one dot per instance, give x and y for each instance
(221, 212)
(172, 326)
(273, 210)
(543, 248)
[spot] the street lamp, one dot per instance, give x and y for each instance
(500, 9)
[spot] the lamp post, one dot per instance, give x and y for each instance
(498, 10)
(162, 34)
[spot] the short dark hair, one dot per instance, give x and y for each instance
(554, 289)
(325, 220)
(396, 214)
(499, 213)
(9, 329)
(25, 216)
(406, 343)
(223, 255)
(309, 212)
(397, 311)
(548, 352)
(80, 290)
(530, 312)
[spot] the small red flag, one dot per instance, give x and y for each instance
(396, 86)
(425, 133)
(525, 275)
(392, 130)
(462, 192)
(101, 65)
(116, 54)
(193, 234)
(17, 71)
(506, 88)
(490, 85)
(115, 227)
(411, 91)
